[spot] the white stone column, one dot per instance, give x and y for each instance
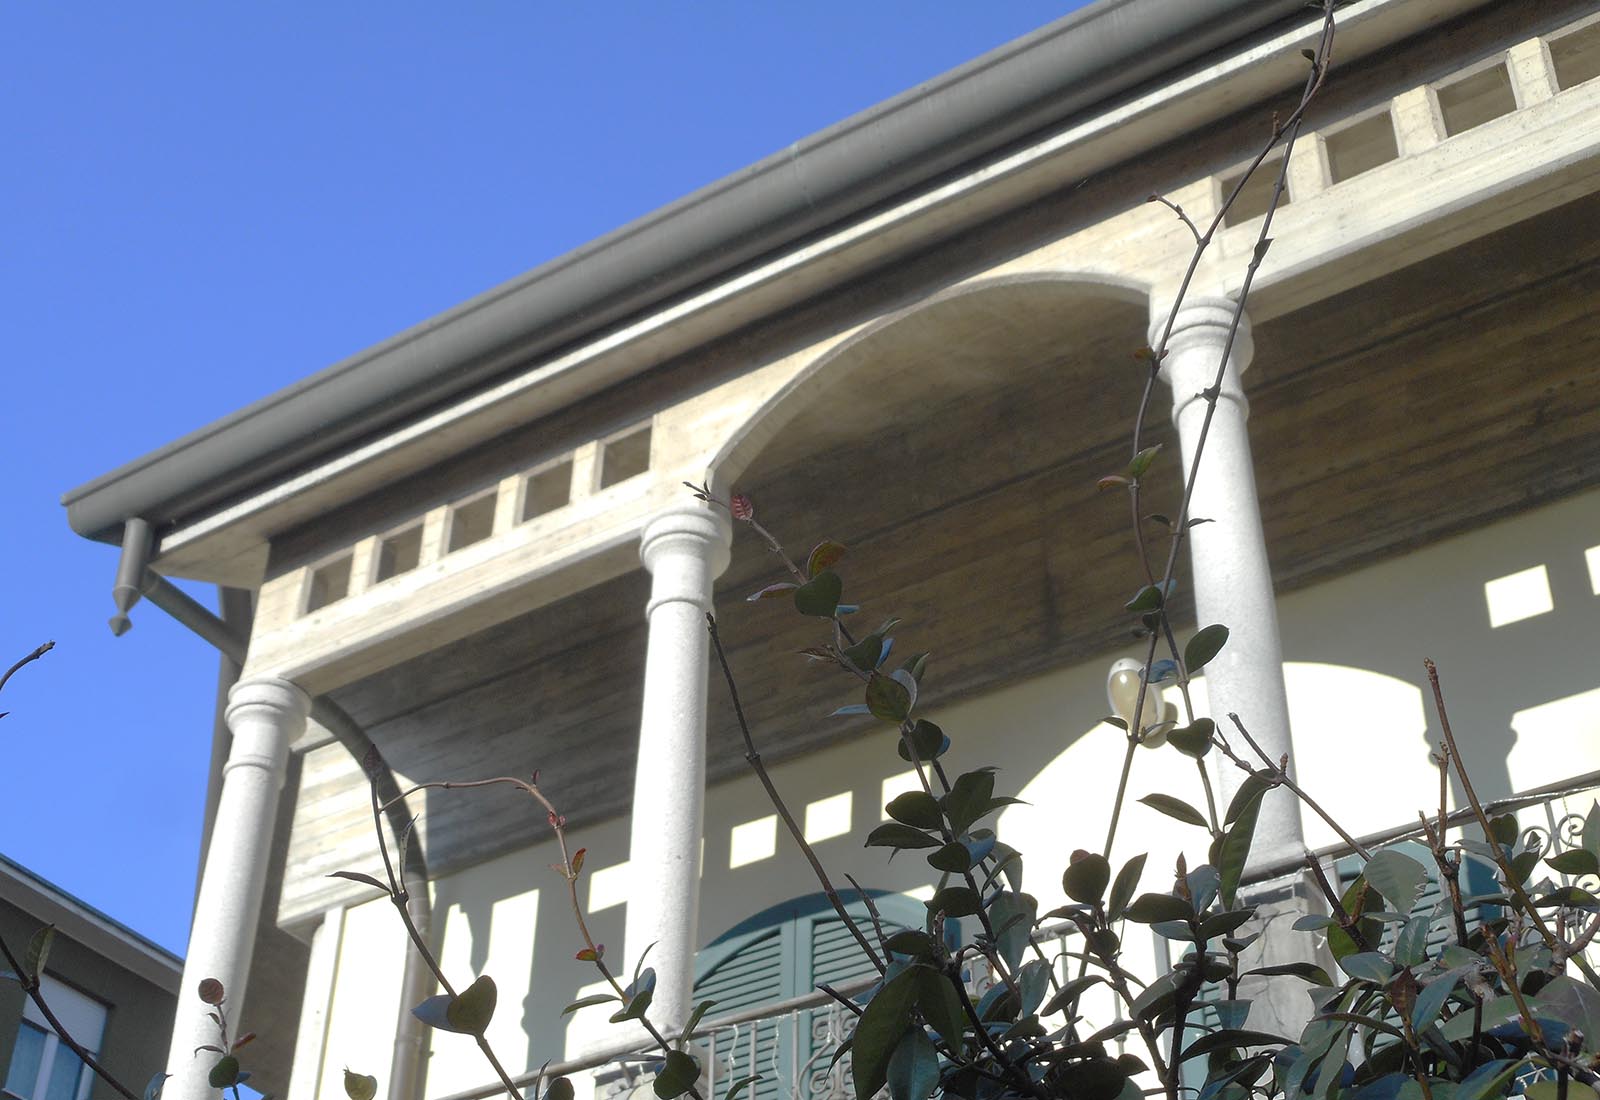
(1232, 584)
(1232, 580)
(264, 714)
(685, 550)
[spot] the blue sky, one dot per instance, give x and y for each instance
(203, 203)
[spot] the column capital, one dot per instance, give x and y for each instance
(696, 530)
(269, 698)
(1203, 323)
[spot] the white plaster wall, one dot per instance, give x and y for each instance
(1524, 699)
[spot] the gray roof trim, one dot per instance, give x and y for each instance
(89, 927)
(906, 142)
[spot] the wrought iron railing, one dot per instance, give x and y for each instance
(791, 1043)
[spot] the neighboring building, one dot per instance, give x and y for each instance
(112, 989)
(913, 333)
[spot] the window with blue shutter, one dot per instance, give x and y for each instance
(774, 956)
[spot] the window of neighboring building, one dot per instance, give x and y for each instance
(1361, 146)
(624, 456)
(399, 553)
(42, 1068)
(330, 581)
(1256, 196)
(1476, 99)
(471, 521)
(546, 490)
(1576, 56)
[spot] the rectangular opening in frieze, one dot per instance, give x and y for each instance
(329, 582)
(471, 521)
(1361, 146)
(399, 553)
(1576, 56)
(1474, 100)
(546, 490)
(624, 456)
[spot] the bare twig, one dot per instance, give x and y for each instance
(753, 757)
(34, 656)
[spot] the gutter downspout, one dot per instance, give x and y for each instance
(416, 983)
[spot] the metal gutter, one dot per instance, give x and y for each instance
(996, 101)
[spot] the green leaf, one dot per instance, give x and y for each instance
(954, 901)
(590, 1001)
(225, 1074)
(1369, 966)
(1224, 924)
(697, 1015)
(1411, 943)
(1591, 830)
(1156, 908)
(1206, 644)
(1175, 808)
(152, 1091)
(891, 697)
(1193, 740)
(1487, 1080)
(357, 876)
(940, 1004)
(740, 1085)
(913, 1070)
(892, 834)
(969, 798)
(885, 1020)
(916, 665)
(1396, 876)
(819, 596)
(1358, 898)
(824, 555)
(1235, 849)
(867, 653)
(1157, 996)
(927, 740)
(1127, 882)
(1504, 829)
(1311, 972)
(913, 943)
(955, 858)
(1141, 461)
(1229, 1038)
(39, 951)
(1086, 877)
(1575, 1004)
(559, 1088)
(473, 1007)
(1575, 861)
(1070, 991)
(1254, 786)
(677, 1075)
(1012, 916)
(1147, 598)
(360, 1086)
(1431, 1000)
(919, 809)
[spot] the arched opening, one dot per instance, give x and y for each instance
(954, 448)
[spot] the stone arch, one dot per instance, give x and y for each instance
(945, 316)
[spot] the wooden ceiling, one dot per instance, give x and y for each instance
(958, 463)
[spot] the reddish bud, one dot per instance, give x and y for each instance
(742, 507)
(211, 991)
